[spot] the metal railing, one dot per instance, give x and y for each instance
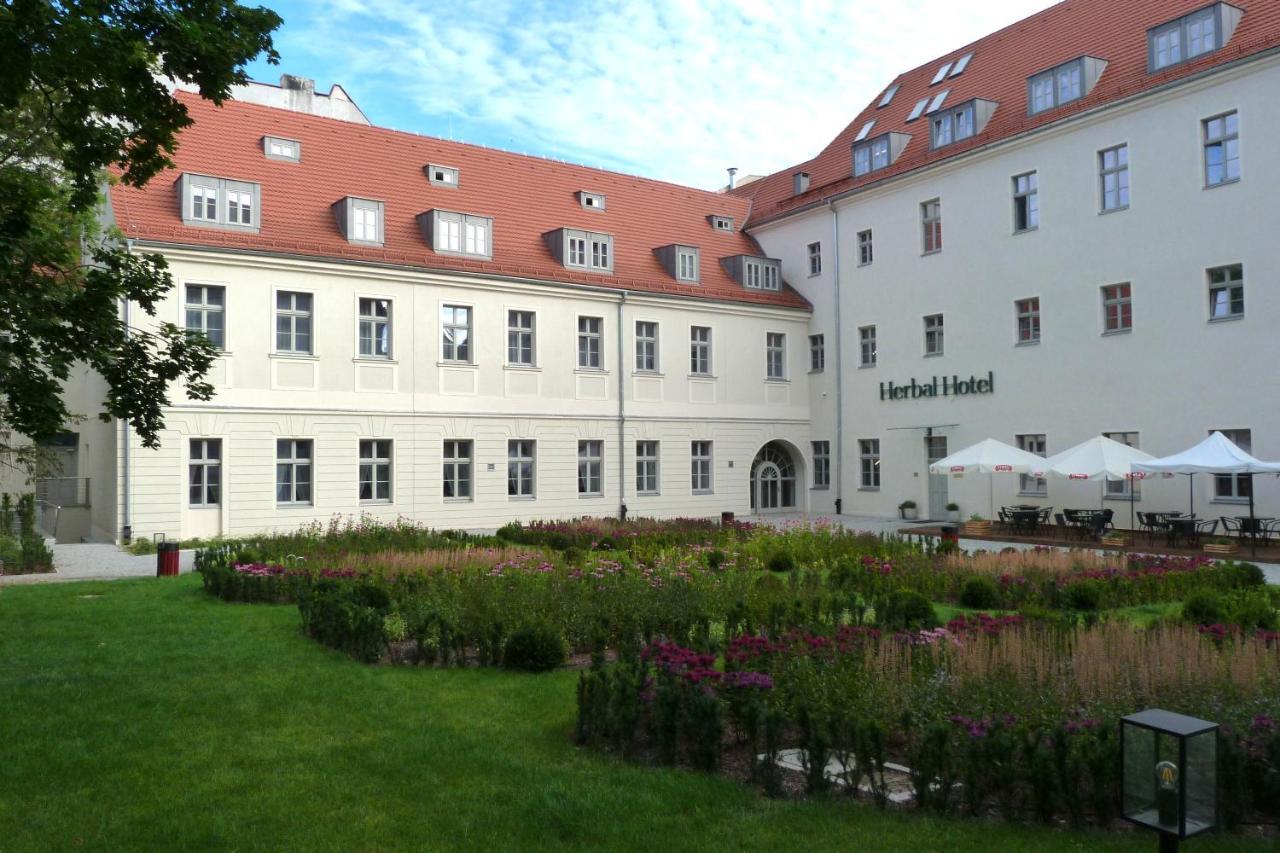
(63, 491)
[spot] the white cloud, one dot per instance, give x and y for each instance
(666, 88)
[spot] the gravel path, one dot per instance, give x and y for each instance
(98, 561)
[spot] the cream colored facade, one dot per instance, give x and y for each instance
(1170, 380)
(418, 400)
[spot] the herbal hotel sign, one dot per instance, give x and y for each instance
(940, 386)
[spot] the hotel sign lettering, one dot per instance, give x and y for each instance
(939, 386)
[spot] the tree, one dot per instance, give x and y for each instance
(82, 102)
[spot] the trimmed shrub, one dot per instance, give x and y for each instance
(980, 593)
(1084, 595)
(905, 609)
(1203, 607)
(1247, 574)
(781, 562)
(535, 648)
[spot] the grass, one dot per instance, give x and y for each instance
(144, 714)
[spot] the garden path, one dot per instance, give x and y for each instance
(97, 561)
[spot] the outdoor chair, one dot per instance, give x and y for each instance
(1043, 515)
(1003, 523)
(1107, 515)
(1204, 528)
(1062, 524)
(1230, 526)
(1150, 522)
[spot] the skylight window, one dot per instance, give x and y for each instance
(941, 75)
(442, 176)
(590, 200)
(866, 128)
(961, 64)
(918, 109)
(936, 103)
(888, 96)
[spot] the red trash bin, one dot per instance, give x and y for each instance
(166, 559)
(951, 533)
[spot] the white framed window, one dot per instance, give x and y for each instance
(700, 350)
(374, 327)
(204, 472)
(1187, 37)
(1117, 308)
(821, 464)
(721, 223)
(933, 334)
(1113, 173)
(521, 470)
(1026, 202)
(277, 148)
(646, 346)
(442, 176)
(700, 467)
(589, 250)
(815, 259)
(1226, 292)
(590, 200)
(204, 202)
(1028, 484)
(1123, 488)
(1221, 149)
(375, 470)
(577, 251)
(294, 322)
(455, 333)
(817, 353)
(865, 255)
(931, 225)
(646, 467)
(869, 464)
(520, 338)
(591, 468)
(221, 202)
(775, 348)
(205, 308)
(760, 274)
(293, 470)
(364, 224)
(687, 263)
(1027, 312)
(462, 234)
(457, 468)
(590, 342)
(239, 207)
(1232, 488)
(867, 346)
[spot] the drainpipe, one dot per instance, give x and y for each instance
(835, 247)
(126, 522)
(622, 413)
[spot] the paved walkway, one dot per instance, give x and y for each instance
(104, 561)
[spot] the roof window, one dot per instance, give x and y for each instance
(721, 223)
(961, 64)
(941, 75)
(887, 97)
(590, 200)
(936, 103)
(279, 148)
(442, 176)
(918, 109)
(866, 128)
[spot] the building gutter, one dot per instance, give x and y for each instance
(622, 413)
(839, 349)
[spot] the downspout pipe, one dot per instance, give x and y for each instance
(622, 411)
(126, 521)
(839, 337)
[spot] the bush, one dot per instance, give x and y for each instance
(1251, 609)
(716, 558)
(980, 593)
(535, 648)
(1203, 607)
(906, 608)
(1247, 574)
(781, 561)
(1084, 595)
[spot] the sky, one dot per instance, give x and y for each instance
(671, 89)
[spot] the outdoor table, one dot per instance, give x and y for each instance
(1025, 519)
(1254, 526)
(1182, 527)
(1083, 520)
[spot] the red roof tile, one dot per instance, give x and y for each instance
(526, 196)
(1002, 62)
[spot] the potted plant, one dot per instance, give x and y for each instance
(908, 510)
(977, 526)
(953, 512)
(1219, 545)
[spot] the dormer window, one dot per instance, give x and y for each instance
(878, 153)
(1201, 32)
(278, 148)
(887, 97)
(960, 122)
(579, 249)
(219, 202)
(1063, 83)
(452, 233)
(754, 273)
(681, 262)
(359, 220)
(591, 201)
(442, 176)
(721, 223)
(800, 182)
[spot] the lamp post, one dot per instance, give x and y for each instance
(1169, 775)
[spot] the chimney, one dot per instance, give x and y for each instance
(301, 84)
(733, 170)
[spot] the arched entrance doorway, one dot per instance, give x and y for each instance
(773, 480)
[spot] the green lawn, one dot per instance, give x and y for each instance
(143, 714)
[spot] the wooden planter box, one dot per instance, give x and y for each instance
(1116, 541)
(977, 528)
(1211, 548)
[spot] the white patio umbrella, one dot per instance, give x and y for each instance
(1217, 454)
(987, 457)
(1099, 458)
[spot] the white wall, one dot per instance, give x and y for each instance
(1172, 379)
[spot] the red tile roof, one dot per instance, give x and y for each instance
(1002, 62)
(526, 196)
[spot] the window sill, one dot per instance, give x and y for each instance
(814, 370)
(1122, 498)
(1111, 333)
(1228, 182)
(1107, 210)
(1034, 343)
(1030, 230)
(648, 494)
(1229, 318)
(523, 368)
(294, 356)
(590, 496)
(820, 488)
(592, 371)
(459, 500)
(866, 366)
(934, 354)
(470, 364)
(706, 377)
(868, 488)
(648, 374)
(775, 380)
(374, 359)
(815, 274)
(294, 505)
(1033, 494)
(200, 507)
(522, 497)
(704, 491)
(1230, 501)
(387, 502)
(929, 252)
(865, 264)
